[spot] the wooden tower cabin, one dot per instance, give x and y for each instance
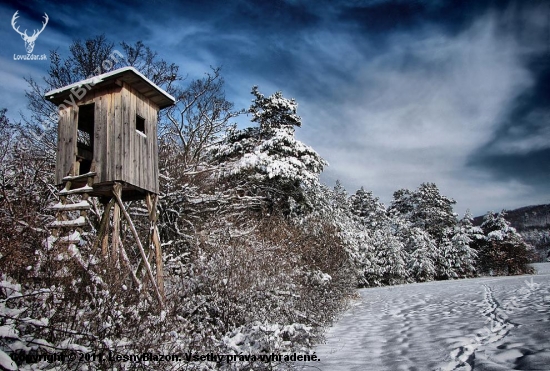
(107, 148)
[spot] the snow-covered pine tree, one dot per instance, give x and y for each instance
(475, 233)
(445, 261)
(464, 237)
(370, 211)
(340, 198)
(422, 252)
(273, 112)
(504, 251)
(332, 206)
(267, 160)
(391, 257)
(426, 208)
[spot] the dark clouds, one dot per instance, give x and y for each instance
(392, 93)
(520, 147)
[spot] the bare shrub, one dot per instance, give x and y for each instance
(242, 282)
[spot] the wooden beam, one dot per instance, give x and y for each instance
(139, 269)
(140, 246)
(105, 242)
(117, 192)
(152, 200)
(102, 234)
(128, 265)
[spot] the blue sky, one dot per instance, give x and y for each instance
(391, 93)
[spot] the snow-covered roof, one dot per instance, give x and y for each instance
(127, 74)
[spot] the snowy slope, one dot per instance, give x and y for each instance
(489, 323)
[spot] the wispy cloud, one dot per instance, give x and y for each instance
(531, 134)
(418, 108)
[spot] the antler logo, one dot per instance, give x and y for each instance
(29, 40)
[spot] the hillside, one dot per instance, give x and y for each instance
(533, 223)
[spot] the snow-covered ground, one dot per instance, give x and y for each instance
(490, 323)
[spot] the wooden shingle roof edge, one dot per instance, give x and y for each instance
(127, 74)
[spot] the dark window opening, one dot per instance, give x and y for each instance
(85, 137)
(140, 124)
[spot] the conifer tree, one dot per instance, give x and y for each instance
(268, 161)
(391, 257)
(503, 251)
(464, 240)
(426, 208)
(340, 197)
(445, 260)
(423, 252)
(274, 112)
(370, 211)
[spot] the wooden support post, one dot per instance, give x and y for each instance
(126, 262)
(152, 200)
(140, 267)
(103, 232)
(76, 169)
(117, 192)
(105, 241)
(140, 246)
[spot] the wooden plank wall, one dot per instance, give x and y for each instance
(66, 144)
(138, 154)
(101, 140)
(120, 153)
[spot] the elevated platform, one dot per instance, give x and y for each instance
(103, 191)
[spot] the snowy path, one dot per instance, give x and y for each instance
(477, 324)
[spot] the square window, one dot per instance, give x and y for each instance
(140, 124)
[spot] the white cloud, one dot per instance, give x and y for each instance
(531, 134)
(416, 111)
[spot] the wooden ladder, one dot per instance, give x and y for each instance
(67, 229)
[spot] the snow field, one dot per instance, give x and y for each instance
(488, 323)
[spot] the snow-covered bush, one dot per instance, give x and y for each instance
(264, 273)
